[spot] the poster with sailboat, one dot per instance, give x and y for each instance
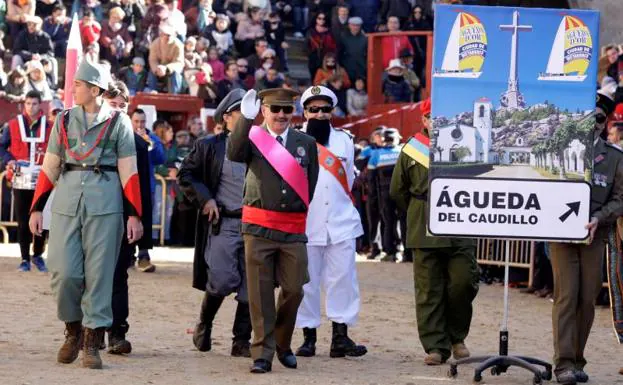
(571, 52)
(466, 49)
(513, 94)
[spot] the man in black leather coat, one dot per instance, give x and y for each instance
(214, 184)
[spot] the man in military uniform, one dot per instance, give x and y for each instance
(25, 141)
(577, 268)
(280, 182)
(444, 269)
(333, 225)
(214, 184)
(92, 159)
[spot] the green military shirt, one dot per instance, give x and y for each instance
(100, 194)
(409, 189)
(263, 187)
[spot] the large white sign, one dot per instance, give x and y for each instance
(494, 208)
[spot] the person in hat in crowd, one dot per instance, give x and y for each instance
(166, 61)
(280, 182)
(135, 76)
(380, 168)
(353, 50)
(406, 58)
(37, 80)
(577, 267)
(395, 87)
(34, 44)
(444, 269)
(333, 225)
(91, 157)
(56, 107)
(22, 142)
(117, 97)
(214, 184)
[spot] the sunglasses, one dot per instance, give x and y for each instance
(320, 18)
(427, 116)
(242, 65)
(315, 110)
(286, 109)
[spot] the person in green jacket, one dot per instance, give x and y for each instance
(444, 269)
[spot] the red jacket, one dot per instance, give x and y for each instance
(19, 149)
(392, 45)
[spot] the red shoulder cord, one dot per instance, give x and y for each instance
(97, 140)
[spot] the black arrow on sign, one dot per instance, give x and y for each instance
(574, 207)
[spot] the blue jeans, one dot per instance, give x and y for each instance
(174, 82)
(300, 19)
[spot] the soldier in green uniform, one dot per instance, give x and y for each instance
(577, 268)
(274, 214)
(444, 269)
(92, 159)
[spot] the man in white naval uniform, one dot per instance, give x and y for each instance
(333, 224)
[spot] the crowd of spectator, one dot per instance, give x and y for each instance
(206, 48)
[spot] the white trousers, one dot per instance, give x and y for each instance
(333, 266)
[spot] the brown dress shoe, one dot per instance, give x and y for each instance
(621, 371)
(91, 356)
(460, 351)
(433, 359)
(73, 342)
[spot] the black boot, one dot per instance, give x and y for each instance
(242, 332)
(117, 344)
(308, 349)
(203, 331)
(342, 346)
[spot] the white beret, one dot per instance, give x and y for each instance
(318, 92)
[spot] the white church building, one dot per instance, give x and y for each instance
(477, 138)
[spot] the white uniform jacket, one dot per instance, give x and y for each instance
(332, 216)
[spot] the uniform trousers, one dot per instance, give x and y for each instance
(224, 256)
(22, 202)
(120, 294)
(389, 217)
(83, 251)
(446, 283)
(269, 263)
(577, 283)
(333, 267)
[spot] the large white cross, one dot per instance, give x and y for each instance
(515, 28)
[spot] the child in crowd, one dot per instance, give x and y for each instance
(15, 90)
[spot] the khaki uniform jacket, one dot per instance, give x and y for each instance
(409, 189)
(607, 190)
(263, 187)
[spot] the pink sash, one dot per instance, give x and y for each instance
(282, 161)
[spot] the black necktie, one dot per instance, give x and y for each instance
(280, 140)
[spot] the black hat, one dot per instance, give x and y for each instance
(605, 102)
(405, 53)
(230, 103)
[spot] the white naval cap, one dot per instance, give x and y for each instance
(318, 92)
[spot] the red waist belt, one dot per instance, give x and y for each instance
(293, 223)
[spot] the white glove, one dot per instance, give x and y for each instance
(250, 105)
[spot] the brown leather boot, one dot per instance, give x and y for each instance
(91, 355)
(73, 342)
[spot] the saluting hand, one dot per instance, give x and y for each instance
(211, 210)
(250, 105)
(591, 227)
(134, 229)
(35, 223)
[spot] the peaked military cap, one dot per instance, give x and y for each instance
(230, 103)
(319, 92)
(278, 97)
(93, 74)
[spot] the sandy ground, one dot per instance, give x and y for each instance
(163, 306)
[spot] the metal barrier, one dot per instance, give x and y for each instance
(163, 209)
(11, 222)
(491, 252)
(4, 224)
